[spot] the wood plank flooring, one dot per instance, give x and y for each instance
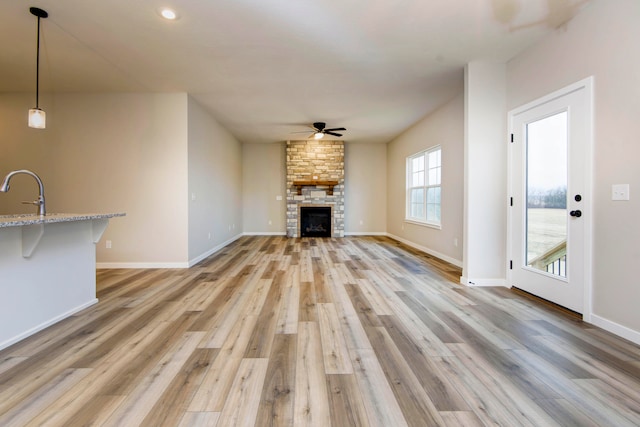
(359, 331)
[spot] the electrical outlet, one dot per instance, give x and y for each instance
(620, 192)
(269, 222)
(361, 222)
(278, 198)
(108, 244)
(455, 242)
(209, 236)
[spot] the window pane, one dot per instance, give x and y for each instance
(417, 210)
(434, 159)
(417, 203)
(417, 164)
(424, 175)
(434, 167)
(417, 195)
(431, 212)
(418, 179)
(433, 176)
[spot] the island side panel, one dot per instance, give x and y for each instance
(56, 281)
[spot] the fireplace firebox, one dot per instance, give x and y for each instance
(315, 221)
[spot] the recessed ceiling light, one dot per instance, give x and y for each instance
(169, 14)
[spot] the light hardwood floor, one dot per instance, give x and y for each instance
(359, 331)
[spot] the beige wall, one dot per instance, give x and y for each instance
(601, 41)
(215, 184)
(263, 181)
(444, 127)
(106, 153)
(365, 191)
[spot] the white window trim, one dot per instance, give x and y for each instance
(417, 221)
(423, 224)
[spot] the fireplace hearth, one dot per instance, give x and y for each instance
(315, 221)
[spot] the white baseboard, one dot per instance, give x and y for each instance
(213, 250)
(284, 233)
(365, 233)
(615, 328)
(147, 265)
(431, 252)
(101, 265)
(483, 282)
(46, 324)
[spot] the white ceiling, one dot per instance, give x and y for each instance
(266, 68)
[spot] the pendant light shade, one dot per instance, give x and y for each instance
(37, 117)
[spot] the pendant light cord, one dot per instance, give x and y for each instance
(39, 13)
(38, 66)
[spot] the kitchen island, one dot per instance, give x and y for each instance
(47, 269)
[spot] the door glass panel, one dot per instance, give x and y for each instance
(546, 223)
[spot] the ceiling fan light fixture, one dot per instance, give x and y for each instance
(318, 135)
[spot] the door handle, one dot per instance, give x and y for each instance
(576, 214)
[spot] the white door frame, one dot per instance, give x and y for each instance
(586, 84)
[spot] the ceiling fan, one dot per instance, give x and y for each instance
(320, 131)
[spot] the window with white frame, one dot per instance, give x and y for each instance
(424, 170)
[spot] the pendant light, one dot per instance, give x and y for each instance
(37, 117)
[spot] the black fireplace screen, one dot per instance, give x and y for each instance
(315, 221)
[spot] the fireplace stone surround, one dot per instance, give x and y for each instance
(313, 168)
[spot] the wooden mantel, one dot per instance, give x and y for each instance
(315, 183)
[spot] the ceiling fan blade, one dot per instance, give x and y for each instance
(332, 133)
(334, 129)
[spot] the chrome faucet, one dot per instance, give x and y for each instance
(39, 202)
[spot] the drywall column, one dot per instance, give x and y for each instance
(485, 165)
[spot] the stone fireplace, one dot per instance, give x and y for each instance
(315, 179)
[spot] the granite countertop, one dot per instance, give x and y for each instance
(29, 219)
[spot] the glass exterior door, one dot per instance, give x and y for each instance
(549, 213)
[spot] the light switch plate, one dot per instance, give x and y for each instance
(620, 192)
